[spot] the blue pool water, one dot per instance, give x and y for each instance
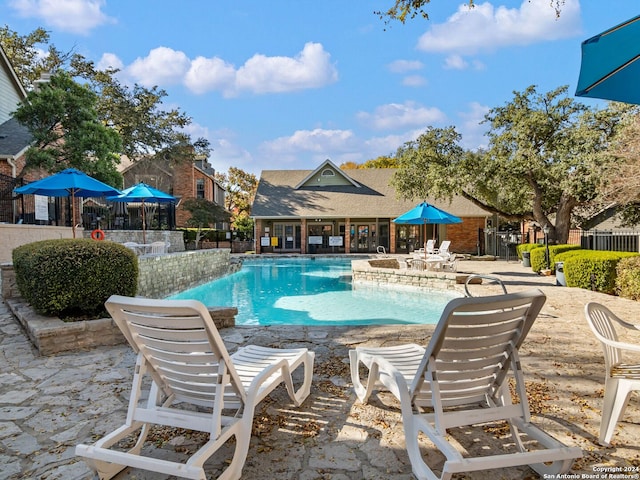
(314, 291)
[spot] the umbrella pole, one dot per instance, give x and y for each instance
(144, 227)
(73, 212)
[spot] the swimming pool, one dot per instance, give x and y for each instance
(314, 291)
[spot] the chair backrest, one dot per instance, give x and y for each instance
(183, 349)
(472, 347)
(601, 320)
(444, 246)
(381, 250)
(430, 246)
(158, 248)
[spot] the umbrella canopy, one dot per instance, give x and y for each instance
(610, 66)
(69, 183)
(425, 213)
(142, 192)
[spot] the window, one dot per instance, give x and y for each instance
(327, 172)
(200, 188)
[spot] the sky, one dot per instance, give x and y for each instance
(287, 84)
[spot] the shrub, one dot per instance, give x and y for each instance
(628, 278)
(538, 262)
(74, 277)
(593, 269)
(526, 247)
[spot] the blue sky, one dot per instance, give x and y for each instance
(287, 84)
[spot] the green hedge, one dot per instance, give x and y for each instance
(526, 247)
(628, 278)
(538, 256)
(593, 269)
(72, 278)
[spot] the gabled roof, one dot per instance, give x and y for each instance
(319, 176)
(290, 194)
(14, 139)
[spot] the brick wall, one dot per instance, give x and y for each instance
(464, 236)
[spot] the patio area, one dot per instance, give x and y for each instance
(50, 404)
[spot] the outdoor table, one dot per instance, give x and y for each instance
(434, 262)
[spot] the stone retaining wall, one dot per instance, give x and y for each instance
(363, 272)
(162, 275)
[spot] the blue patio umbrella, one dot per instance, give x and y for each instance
(142, 192)
(610, 67)
(68, 183)
(425, 213)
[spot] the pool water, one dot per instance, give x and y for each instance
(314, 291)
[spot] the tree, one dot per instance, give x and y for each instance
(544, 158)
(67, 132)
(135, 113)
(402, 9)
(620, 177)
(204, 214)
(241, 188)
(27, 59)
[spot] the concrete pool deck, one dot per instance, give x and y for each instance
(48, 404)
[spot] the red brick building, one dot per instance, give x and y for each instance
(183, 180)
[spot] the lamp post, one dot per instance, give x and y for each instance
(546, 229)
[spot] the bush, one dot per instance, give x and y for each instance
(526, 247)
(538, 262)
(73, 278)
(593, 269)
(628, 278)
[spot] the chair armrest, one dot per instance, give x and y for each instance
(621, 345)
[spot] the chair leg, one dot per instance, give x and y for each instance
(363, 392)
(616, 396)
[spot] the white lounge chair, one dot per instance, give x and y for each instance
(620, 378)
(462, 379)
(443, 249)
(429, 247)
(180, 349)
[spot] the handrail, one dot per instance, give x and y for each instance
(484, 277)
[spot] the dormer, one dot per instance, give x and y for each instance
(326, 175)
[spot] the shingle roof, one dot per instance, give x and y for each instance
(14, 138)
(277, 196)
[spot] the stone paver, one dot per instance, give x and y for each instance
(50, 404)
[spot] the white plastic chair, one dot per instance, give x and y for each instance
(158, 248)
(462, 377)
(620, 378)
(181, 351)
(443, 249)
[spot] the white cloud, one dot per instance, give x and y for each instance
(225, 151)
(394, 116)
(311, 68)
(414, 81)
(455, 62)
(75, 16)
(485, 27)
(472, 130)
(260, 74)
(206, 74)
(109, 60)
(403, 66)
(317, 140)
(163, 66)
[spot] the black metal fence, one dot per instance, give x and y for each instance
(615, 241)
